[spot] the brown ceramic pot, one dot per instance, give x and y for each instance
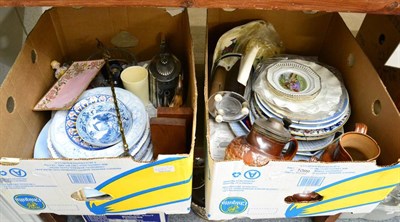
(265, 142)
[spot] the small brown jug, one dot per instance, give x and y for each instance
(265, 142)
(352, 146)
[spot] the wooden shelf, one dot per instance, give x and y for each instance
(366, 6)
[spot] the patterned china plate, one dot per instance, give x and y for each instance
(305, 124)
(306, 134)
(304, 146)
(312, 124)
(72, 116)
(293, 81)
(324, 105)
(65, 147)
(98, 125)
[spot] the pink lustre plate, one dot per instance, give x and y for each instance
(64, 93)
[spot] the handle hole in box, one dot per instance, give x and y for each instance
(351, 60)
(376, 107)
(381, 39)
(33, 56)
(10, 105)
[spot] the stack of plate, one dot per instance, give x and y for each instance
(90, 128)
(307, 93)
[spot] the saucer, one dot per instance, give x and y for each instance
(98, 125)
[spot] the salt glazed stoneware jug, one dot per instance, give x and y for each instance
(352, 146)
(265, 142)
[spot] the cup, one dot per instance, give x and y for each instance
(353, 146)
(136, 80)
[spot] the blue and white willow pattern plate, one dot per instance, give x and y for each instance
(68, 149)
(98, 125)
(72, 116)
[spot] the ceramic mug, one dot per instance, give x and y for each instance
(136, 80)
(352, 146)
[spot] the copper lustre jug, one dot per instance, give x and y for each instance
(265, 142)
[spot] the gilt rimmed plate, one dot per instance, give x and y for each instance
(98, 125)
(324, 105)
(63, 145)
(294, 81)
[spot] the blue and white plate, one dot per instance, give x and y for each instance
(68, 149)
(72, 116)
(98, 125)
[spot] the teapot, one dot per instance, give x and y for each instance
(265, 142)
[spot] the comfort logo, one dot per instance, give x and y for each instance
(233, 205)
(29, 202)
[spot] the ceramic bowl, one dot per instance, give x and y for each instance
(98, 125)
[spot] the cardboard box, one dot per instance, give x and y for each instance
(379, 35)
(235, 190)
(34, 186)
